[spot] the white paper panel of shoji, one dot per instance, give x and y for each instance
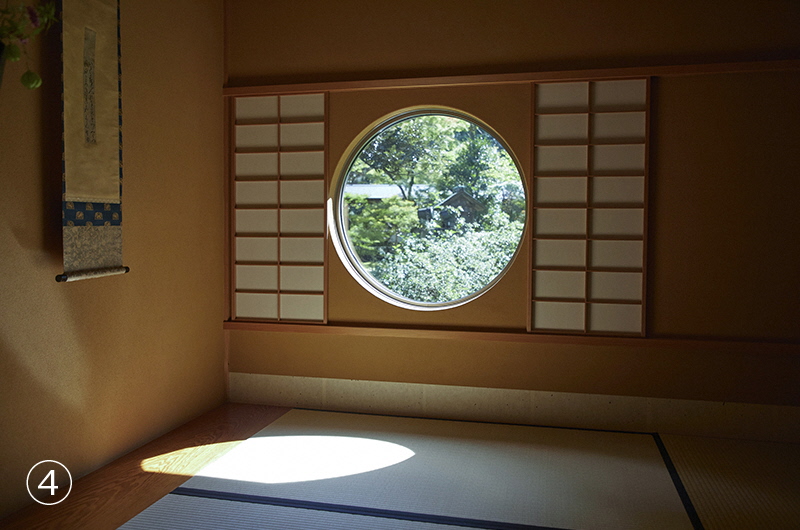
(256, 137)
(257, 193)
(560, 222)
(561, 159)
(302, 249)
(560, 253)
(256, 278)
(256, 165)
(617, 254)
(256, 221)
(303, 164)
(256, 305)
(562, 97)
(563, 190)
(302, 192)
(255, 109)
(618, 318)
(303, 221)
(619, 127)
(618, 190)
(560, 284)
(566, 316)
(613, 222)
(627, 158)
(599, 129)
(628, 94)
(302, 107)
(309, 135)
(302, 278)
(264, 249)
(625, 286)
(562, 128)
(302, 307)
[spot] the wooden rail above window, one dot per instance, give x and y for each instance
(657, 71)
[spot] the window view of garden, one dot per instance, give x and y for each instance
(434, 208)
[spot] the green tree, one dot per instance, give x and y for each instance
(376, 226)
(411, 151)
(421, 260)
(471, 164)
(512, 200)
(480, 163)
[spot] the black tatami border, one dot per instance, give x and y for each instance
(356, 510)
(679, 487)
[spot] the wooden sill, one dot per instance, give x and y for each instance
(117, 492)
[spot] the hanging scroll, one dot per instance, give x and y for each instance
(92, 140)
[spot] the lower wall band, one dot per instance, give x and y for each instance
(557, 409)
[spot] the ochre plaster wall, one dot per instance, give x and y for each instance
(271, 42)
(90, 370)
(724, 223)
(722, 253)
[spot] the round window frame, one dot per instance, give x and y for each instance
(341, 241)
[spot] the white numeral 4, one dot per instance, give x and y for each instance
(52, 487)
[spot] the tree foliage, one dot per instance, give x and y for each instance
(447, 265)
(429, 158)
(376, 226)
(407, 152)
(480, 163)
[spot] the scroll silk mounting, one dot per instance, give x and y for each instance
(91, 206)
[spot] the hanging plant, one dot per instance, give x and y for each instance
(18, 25)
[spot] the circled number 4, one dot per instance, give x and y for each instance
(51, 476)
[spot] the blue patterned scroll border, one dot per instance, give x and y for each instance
(91, 214)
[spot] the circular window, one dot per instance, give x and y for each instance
(430, 209)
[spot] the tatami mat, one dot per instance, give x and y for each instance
(517, 476)
(739, 484)
(179, 512)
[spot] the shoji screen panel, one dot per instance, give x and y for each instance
(589, 200)
(278, 270)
